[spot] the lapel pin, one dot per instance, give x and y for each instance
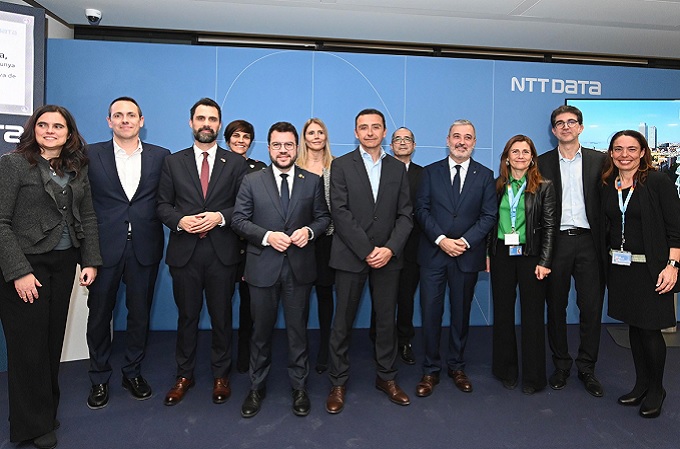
(301, 176)
(223, 161)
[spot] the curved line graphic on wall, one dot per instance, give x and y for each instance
(388, 114)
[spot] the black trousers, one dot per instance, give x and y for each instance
(203, 273)
(507, 272)
(264, 304)
(140, 281)
(408, 284)
(383, 285)
(35, 335)
(575, 256)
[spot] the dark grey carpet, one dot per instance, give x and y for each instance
(490, 417)
(620, 336)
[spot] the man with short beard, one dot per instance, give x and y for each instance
(196, 197)
(280, 210)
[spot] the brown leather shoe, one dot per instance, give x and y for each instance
(461, 380)
(391, 389)
(221, 390)
(426, 385)
(336, 399)
(177, 392)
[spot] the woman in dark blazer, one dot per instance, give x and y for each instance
(315, 155)
(47, 226)
(239, 136)
(520, 248)
(642, 219)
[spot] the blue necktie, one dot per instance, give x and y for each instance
(456, 185)
(285, 193)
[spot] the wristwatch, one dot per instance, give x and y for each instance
(673, 263)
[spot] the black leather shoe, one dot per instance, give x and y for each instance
(632, 398)
(591, 383)
(99, 396)
(253, 402)
(138, 387)
(406, 354)
(47, 441)
(301, 404)
(558, 379)
(652, 408)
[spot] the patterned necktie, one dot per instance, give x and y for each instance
(456, 185)
(285, 193)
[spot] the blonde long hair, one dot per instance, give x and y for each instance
(303, 151)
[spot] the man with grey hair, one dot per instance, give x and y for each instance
(403, 146)
(456, 208)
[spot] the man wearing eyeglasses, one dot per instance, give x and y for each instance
(279, 211)
(575, 172)
(371, 211)
(403, 145)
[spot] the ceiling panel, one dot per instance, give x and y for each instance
(609, 27)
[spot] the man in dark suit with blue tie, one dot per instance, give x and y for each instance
(371, 210)
(196, 199)
(124, 174)
(280, 210)
(456, 208)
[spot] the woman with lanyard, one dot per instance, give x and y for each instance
(520, 249)
(642, 212)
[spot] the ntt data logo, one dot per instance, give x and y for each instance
(555, 86)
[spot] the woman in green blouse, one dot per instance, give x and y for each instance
(520, 249)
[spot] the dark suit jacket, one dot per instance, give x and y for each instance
(258, 210)
(180, 194)
(472, 219)
(414, 173)
(549, 166)
(31, 222)
(114, 210)
(361, 223)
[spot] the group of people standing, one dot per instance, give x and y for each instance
(311, 220)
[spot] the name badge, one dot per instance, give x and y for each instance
(515, 250)
(512, 239)
(620, 257)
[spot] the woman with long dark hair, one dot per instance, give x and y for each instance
(47, 226)
(521, 247)
(642, 212)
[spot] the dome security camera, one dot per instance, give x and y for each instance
(94, 16)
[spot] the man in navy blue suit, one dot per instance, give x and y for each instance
(456, 208)
(280, 210)
(124, 174)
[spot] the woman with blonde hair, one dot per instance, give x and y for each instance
(315, 155)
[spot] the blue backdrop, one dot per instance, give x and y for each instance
(263, 86)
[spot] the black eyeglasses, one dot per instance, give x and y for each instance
(570, 123)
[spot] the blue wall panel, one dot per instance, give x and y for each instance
(265, 86)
